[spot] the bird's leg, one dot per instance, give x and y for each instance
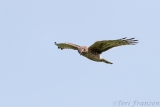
(105, 61)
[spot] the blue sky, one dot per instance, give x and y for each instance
(34, 73)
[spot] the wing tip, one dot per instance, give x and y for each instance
(130, 39)
(124, 38)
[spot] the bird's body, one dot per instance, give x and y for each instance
(93, 52)
(91, 56)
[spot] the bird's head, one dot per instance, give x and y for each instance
(82, 50)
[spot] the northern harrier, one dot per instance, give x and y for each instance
(93, 52)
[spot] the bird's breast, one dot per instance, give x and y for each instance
(91, 56)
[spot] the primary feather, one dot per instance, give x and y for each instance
(67, 46)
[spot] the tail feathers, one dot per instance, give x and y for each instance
(105, 61)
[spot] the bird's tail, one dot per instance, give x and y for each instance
(105, 61)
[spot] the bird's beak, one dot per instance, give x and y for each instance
(80, 52)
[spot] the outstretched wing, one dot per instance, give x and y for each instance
(101, 46)
(67, 46)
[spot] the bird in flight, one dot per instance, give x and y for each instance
(93, 52)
